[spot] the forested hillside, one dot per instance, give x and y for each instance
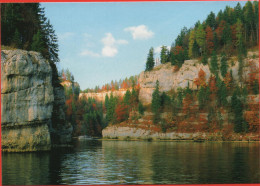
(231, 31)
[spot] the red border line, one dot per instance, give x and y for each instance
(107, 1)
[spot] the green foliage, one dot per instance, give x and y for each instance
(203, 96)
(211, 20)
(127, 97)
(204, 59)
(179, 98)
(110, 117)
(16, 41)
(156, 103)
(223, 66)
(24, 26)
(214, 63)
(221, 93)
(164, 54)
(201, 37)
(140, 108)
(240, 124)
(150, 60)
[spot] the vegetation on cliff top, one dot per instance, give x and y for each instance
(25, 26)
(231, 31)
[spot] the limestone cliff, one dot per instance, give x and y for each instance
(169, 78)
(102, 95)
(31, 103)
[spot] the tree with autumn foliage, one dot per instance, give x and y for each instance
(209, 40)
(122, 112)
(201, 79)
(253, 79)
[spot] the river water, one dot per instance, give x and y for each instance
(135, 162)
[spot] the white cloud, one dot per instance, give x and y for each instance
(65, 35)
(140, 32)
(109, 51)
(110, 48)
(87, 52)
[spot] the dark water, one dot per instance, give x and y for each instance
(128, 162)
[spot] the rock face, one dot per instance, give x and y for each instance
(102, 95)
(132, 133)
(171, 79)
(30, 103)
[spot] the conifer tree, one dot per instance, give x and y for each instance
(163, 54)
(214, 63)
(37, 42)
(156, 103)
(223, 66)
(16, 39)
(150, 60)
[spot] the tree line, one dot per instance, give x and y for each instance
(25, 26)
(232, 31)
(126, 83)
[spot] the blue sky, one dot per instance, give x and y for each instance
(100, 42)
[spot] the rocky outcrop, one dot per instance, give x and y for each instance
(171, 79)
(32, 116)
(134, 133)
(102, 95)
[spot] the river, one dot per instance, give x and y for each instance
(135, 162)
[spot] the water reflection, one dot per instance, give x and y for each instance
(129, 162)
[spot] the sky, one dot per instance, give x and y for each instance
(100, 42)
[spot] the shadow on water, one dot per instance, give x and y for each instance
(135, 162)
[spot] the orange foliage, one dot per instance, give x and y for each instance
(252, 115)
(187, 101)
(228, 80)
(220, 29)
(69, 106)
(213, 87)
(121, 112)
(177, 50)
(253, 75)
(209, 39)
(124, 85)
(201, 79)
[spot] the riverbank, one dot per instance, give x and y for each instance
(138, 134)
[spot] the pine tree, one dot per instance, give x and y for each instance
(237, 108)
(37, 42)
(156, 103)
(191, 43)
(16, 41)
(204, 59)
(200, 38)
(223, 66)
(140, 108)
(163, 54)
(214, 63)
(211, 21)
(127, 98)
(150, 60)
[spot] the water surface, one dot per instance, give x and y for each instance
(135, 162)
